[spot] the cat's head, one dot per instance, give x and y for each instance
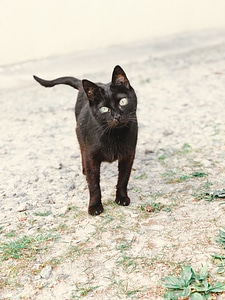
(113, 104)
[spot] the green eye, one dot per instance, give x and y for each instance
(123, 102)
(103, 109)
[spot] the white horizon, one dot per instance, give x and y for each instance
(38, 29)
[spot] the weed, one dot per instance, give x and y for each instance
(123, 245)
(198, 174)
(221, 237)
(137, 190)
(203, 192)
(186, 148)
(216, 194)
(78, 250)
(192, 175)
(128, 263)
(62, 227)
(141, 176)
(11, 234)
(154, 207)
(104, 221)
(210, 195)
(170, 175)
(107, 218)
(123, 287)
(191, 285)
(72, 209)
(44, 214)
(83, 291)
(162, 158)
(23, 247)
(220, 259)
(177, 176)
(220, 262)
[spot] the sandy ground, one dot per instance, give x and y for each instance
(50, 247)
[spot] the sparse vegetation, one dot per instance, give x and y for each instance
(192, 285)
(176, 187)
(219, 259)
(176, 176)
(42, 214)
(24, 247)
(154, 207)
(123, 252)
(82, 291)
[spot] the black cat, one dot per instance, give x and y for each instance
(106, 130)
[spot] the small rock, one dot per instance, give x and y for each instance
(63, 210)
(46, 272)
(167, 132)
(59, 166)
(63, 277)
(71, 187)
(23, 207)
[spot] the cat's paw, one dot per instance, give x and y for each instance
(95, 210)
(124, 201)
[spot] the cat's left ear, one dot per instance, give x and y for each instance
(91, 89)
(119, 77)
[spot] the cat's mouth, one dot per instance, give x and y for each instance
(115, 123)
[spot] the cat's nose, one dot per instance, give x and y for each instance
(116, 118)
(116, 121)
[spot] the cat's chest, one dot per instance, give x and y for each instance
(115, 139)
(115, 146)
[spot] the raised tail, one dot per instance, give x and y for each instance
(72, 81)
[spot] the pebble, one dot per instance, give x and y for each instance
(23, 207)
(46, 272)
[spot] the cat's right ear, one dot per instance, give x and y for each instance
(91, 89)
(119, 77)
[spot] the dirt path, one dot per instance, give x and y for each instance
(50, 248)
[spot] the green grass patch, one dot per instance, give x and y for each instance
(221, 237)
(141, 176)
(154, 207)
(186, 148)
(176, 176)
(219, 260)
(191, 285)
(10, 234)
(210, 195)
(192, 175)
(83, 291)
(24, 247)
(43, 214)
(162, 158)
(123, 289)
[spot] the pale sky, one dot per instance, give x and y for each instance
(31, 29)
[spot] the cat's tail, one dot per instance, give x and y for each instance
(72, 81)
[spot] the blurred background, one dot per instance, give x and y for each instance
(31, 29)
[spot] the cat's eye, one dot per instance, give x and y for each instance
(104, 109)
(123, 102)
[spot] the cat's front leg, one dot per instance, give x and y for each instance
(124, 166)
(92, 168)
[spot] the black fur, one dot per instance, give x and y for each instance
(106, 130)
